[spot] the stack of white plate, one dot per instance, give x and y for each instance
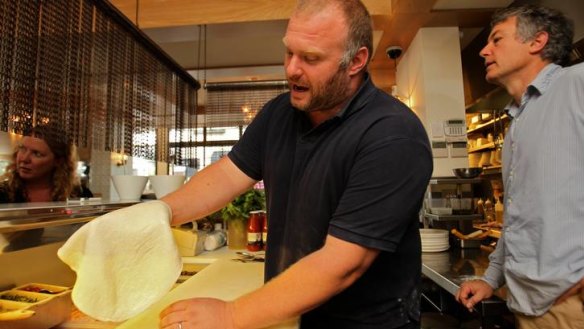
(434, 240)
(437, 261)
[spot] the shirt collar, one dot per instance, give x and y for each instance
(358, 99)
(545, 78)
(537, 87)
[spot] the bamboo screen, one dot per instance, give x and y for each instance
(230, 106)
(237, 103)
(81, 66)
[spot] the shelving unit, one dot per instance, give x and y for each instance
(442, 218)
(488, 146)
(491, 170)
(462, 188)
(490, 129)
(490, 137)
(487, 125)
(488, 154)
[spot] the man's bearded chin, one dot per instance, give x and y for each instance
(332, 93)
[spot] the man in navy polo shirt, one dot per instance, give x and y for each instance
(345, 167)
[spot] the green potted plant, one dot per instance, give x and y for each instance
(236, 213)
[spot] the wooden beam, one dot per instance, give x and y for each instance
(167, 13)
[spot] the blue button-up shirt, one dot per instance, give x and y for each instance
(541, 252)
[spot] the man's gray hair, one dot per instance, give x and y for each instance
(533, 19)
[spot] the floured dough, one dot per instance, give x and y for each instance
(125, 261)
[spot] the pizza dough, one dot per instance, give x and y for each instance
(125, 261)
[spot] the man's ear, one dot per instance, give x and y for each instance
(359, 62)
(537, 44)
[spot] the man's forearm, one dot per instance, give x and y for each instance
(207, 191)
(305, 285)
(494, 275)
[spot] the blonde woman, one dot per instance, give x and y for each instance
(42, 170)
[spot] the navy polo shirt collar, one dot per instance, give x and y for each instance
(359, 99)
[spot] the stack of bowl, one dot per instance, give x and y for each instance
(434, 240)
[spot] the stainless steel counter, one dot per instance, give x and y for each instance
(25, 216)
(26, 225)
(449, 269)
(31, 234)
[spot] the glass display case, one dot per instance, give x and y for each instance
(27, 225)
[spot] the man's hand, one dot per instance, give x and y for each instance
(203, 313)
(577, 288)
(472, 292)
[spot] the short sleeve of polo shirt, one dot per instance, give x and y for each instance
(386, 185)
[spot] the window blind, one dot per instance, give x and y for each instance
(229, 109)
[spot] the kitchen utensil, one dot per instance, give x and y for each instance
(34, 305)
(471, 172)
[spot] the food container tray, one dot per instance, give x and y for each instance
(34, 305)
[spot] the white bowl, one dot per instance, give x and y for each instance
(129, 187)
(165, 184)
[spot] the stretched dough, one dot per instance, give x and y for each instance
(125, 261)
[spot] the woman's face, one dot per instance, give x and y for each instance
(34, 159)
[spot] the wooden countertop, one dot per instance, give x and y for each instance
(223, 278)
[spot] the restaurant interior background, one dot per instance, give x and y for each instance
(148, 87)
(128, 119)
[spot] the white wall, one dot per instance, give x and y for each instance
(430, 77)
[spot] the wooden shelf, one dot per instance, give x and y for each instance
(487, 124)
(491, 170)
(488, 146)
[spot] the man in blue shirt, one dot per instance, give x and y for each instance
(540, 256)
